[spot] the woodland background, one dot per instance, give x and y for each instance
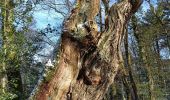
(30, 32)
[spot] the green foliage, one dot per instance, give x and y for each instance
(7, 96)
(151, 29)
(160, 11)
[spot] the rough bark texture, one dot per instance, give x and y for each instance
(89, 60)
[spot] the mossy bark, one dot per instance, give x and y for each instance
(6, 32)
(9, 73)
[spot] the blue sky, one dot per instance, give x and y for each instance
(43, 15)
(43, 18)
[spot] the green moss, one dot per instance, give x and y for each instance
(50, 74)
(77, 5)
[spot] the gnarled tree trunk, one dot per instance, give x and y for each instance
(88, 59)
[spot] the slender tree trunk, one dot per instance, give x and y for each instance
(4, 47)
(10, 73)
(133, 91)
(89, 60)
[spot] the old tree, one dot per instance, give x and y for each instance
(88, 60)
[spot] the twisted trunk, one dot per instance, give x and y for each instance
(88, 59)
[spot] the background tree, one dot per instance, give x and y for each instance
(14, 49)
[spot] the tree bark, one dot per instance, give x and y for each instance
(88, 60)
